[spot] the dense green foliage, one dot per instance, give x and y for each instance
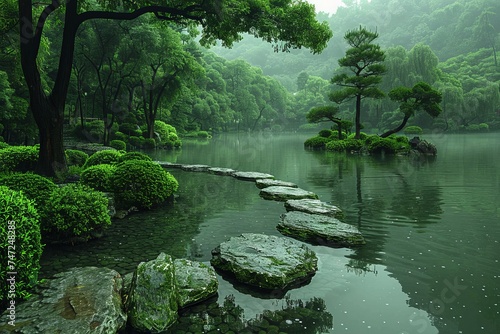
(142, 184)
(317, 142)
(103, 157)
(76, 157)
(98, 177)
(76, 211)
(118, 144)
(18, 158)
(33, 186)
(134, 156)
(20, 244)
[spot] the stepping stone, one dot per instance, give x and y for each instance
(264, 183)
(320, 230)
(221, 171)
(252, 176)
(285, 193)
(196, 281)
(195, 168)
(314, 206)
(264, 261)
(166, 164)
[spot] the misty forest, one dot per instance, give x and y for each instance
(229, 166)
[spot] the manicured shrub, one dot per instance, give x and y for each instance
(134, 156)
(403, 140)
(3, 144)
(177, 143)
(76, 157)
(371, 138)
(362, 136)
(149, 143)
(76, 211)
(173, 137)
(203, 134)
(98, 177)
(335, 135)
(18, 158)
(130, 129)
(103, 157)
(325, 133)
(353, 144)
(33, 186)
(336, 146)
(118, 144)
(413, 130)
(120, 136)
(383, 145)
(142, 184)
(316, 142)
(135, 141)
(483, 127)
(19, 243)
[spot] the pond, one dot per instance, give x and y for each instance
(432, 226)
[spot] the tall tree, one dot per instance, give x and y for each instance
(287, 24)
(421, 97)
(364, 61)
(323, 114)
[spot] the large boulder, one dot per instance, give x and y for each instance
(268, 262)
(314, 206)
(319, 229)
(264, 183)
(196, 281)
(278, 193)
(153, 299)
(80, 300)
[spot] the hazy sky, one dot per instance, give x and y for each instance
(329, 6)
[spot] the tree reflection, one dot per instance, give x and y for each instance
(295, 316)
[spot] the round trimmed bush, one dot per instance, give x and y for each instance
(142, 184)
(76, 157)
(118, 144)
(336, 146)
(18, 158)
(33, 186)
(76, 210)
(386, 145)
(353, 144)
(134, 156)
(413, 130)
(98, 177)
(3, 144)
(120, 136)
(135, 141)
(316, 142)
(103, 157)
(325, 133)
(19, 233)
(149, 143)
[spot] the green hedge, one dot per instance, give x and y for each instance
(18, 158)
(19, 234)
(142, 184)
(134, 156)
(325, 133)
(120, 145)
(336, 146)
(413, 130)
(76, 157)
(98, 176)
(316, 142)
(76, 210)
(103, 157)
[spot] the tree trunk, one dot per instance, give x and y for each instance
(399, 128)
(358, 116)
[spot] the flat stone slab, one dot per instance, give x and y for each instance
(265, 261)
(196, 281)
(80, 300)
(314, 206)
(195, 168)
(319, 229)
(264, 183)
(166, 164)
(222, 171)
(278, 193)
(252, 176)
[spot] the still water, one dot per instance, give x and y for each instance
(432, 226)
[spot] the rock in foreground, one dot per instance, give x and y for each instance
(314, 206)
(277, 193)
(268, 262)
(81, 300)
(264, 183)
(195, 281)
(319, 229)
(153, 295)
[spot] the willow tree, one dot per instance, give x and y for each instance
(420, 97)
(364, 61)
(287, 24)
